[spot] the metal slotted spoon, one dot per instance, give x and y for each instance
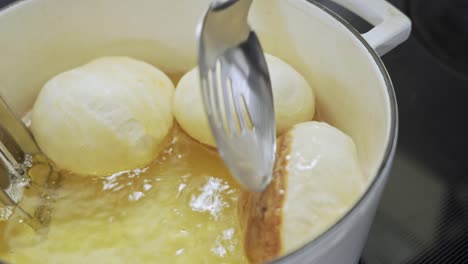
(237, 92)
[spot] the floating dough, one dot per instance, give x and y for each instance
(317, 179)
(106, 116)
(293, 98)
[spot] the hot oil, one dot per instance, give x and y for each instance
(182, 208)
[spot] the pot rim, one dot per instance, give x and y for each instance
(390, 145)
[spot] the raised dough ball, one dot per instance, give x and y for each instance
(106, 116)
(317, 179)
(189, 110)
(293, 98)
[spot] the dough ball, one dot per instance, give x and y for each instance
(293, 98)
(317, 179)
(189, 110)
(106, 116)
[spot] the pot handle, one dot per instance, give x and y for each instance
(391, 26)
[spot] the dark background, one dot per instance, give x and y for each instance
(423, 215)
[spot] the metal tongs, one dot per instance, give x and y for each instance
(17, 146)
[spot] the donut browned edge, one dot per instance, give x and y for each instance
(260, 214)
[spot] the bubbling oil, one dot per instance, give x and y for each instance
(182, 208)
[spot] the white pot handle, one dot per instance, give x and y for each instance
(392, 27)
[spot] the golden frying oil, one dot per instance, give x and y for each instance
(180, 209)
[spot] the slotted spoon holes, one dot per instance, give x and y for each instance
(234, 99)
(226, 105)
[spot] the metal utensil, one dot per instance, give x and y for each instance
(16, 143)
(16, 149)
(237, 92)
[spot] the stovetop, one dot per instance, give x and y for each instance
(423, 215)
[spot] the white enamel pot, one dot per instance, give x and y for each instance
(40, 38)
